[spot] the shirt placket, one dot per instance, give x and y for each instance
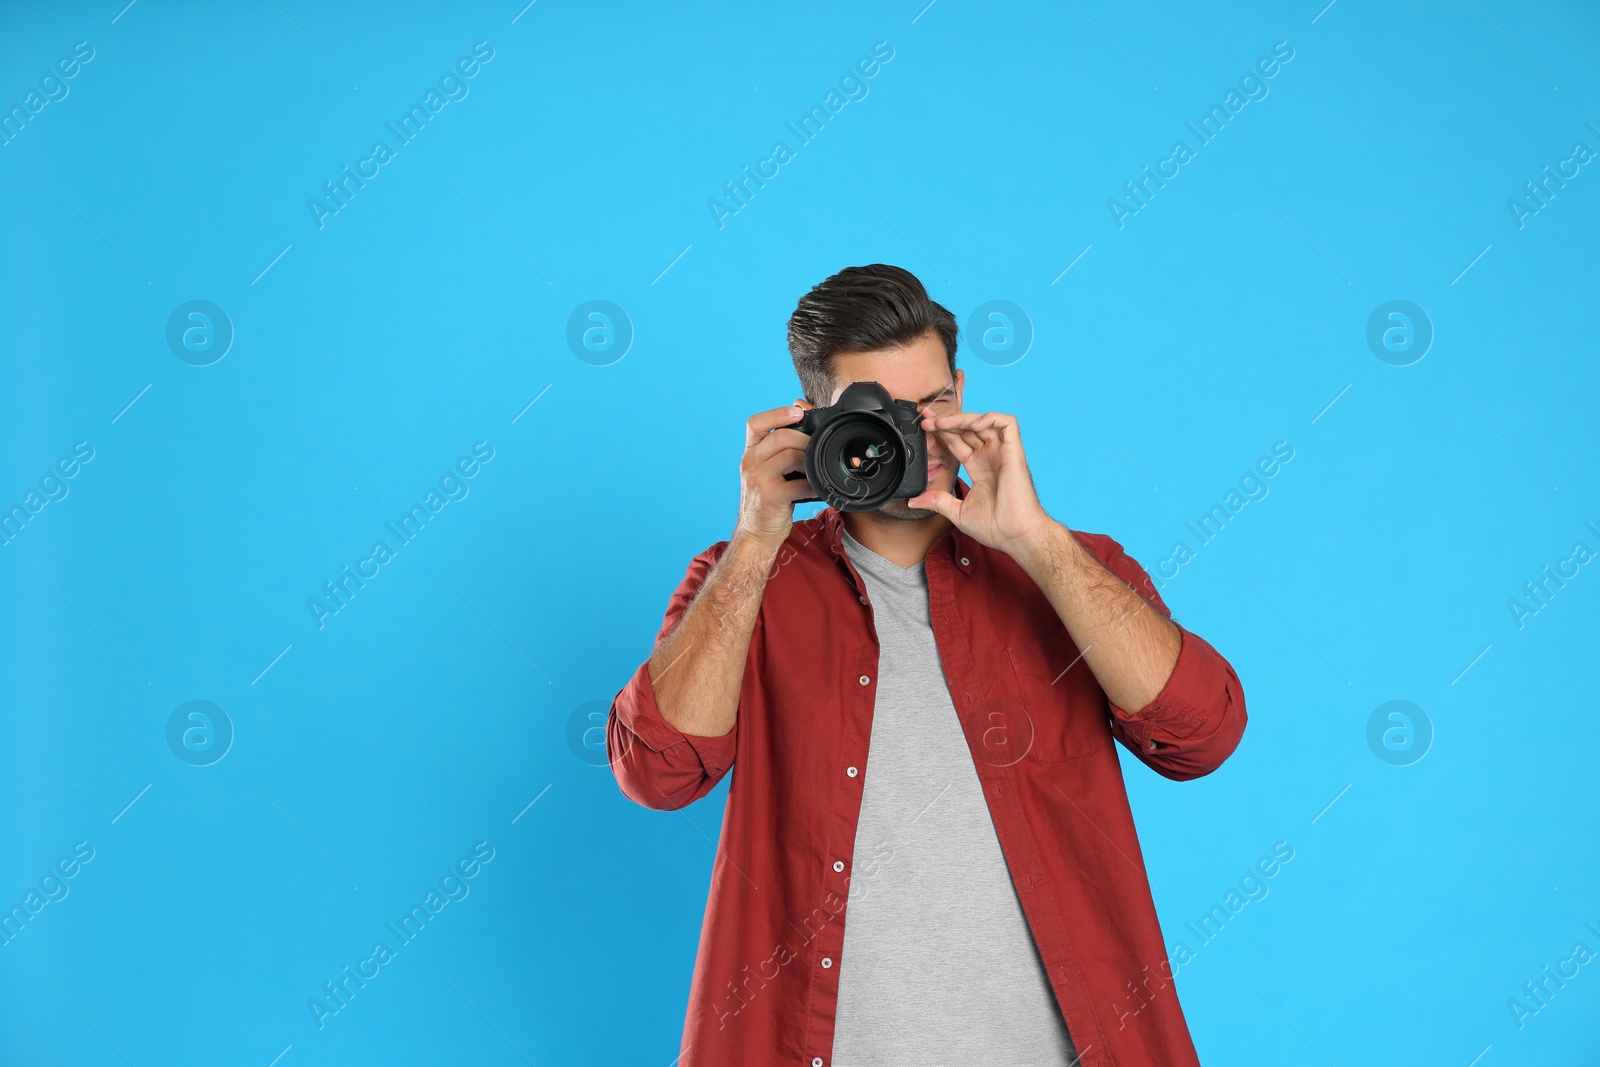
(999, 784)
(857, 688)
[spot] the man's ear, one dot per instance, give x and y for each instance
(961, 386)
(803, 404)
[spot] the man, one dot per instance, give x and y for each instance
(927, 854)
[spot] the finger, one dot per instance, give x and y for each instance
(991, 425)
(998, 430)
(956, 444)
(790, 492)
(974, 441)
(781, 462)
(959, 420)
(774, 483)
(772, 443)
(1010, 436)
(948, 422)
(994, 418)
(760, 423)
(961, 445)
(1004, 431)
(937, 500)
(984, 427)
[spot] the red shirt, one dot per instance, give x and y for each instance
(1040, 730)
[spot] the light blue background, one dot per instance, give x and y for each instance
(425, 316)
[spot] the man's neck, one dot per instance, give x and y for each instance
(903, 542)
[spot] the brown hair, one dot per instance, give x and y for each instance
(862, 309)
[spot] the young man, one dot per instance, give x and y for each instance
(927, 854)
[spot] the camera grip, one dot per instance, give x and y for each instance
(807, 426)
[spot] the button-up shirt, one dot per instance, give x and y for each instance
(1039, 727)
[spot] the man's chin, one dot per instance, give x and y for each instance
(900, 511)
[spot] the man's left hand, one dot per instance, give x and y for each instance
(1001, 509)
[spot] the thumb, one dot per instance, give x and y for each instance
(938, 500)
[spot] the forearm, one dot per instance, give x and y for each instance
(1130, 647)
(697, 669)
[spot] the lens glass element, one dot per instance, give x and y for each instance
(861, 456)
(861, 459)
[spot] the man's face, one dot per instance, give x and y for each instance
(920, 373)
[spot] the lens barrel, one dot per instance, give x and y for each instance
(857, 461)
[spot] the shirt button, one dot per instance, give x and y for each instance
(965, 561)
(838, 865)
(816, 1061)
(862, 599)
(851, 771)
(826, 963)
(864, 679)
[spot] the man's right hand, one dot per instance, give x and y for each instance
(772, 449)
(700, 696)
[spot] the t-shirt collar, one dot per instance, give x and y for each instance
(963, 550)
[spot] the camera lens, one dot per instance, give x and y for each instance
(861, 460)
(860, 457)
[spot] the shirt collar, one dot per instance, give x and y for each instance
(963, 550)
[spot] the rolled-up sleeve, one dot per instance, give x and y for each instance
(1198, 718)
(655, 763)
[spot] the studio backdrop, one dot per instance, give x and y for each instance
(373, 372)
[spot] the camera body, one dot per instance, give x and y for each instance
(866, 449)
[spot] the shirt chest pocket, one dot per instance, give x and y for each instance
(1064, 703)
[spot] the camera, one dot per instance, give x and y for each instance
(865, 450)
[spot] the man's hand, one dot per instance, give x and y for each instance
(1131, 648)
(698, 668)
(1001, 509)
(766, 498)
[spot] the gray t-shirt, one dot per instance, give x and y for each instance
(939, 966)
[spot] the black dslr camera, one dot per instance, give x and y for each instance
(865, 450)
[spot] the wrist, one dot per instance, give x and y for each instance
(756, 545)
(1054, 555)
(1041, 543)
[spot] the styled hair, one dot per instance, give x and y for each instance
(862, 309)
